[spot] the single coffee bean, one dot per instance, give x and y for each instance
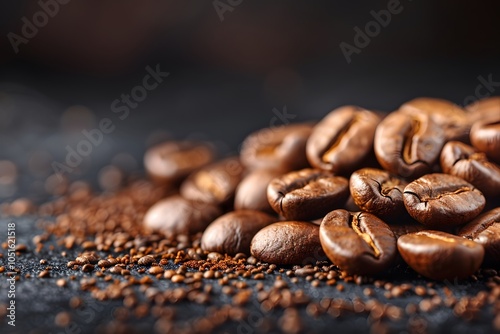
(232, 233)
(289, 242)
(307, 194)
(252, 191)
(214, 184)
(442, 200)
(176, 215)
(485, 136)
(447, 115)
(408, 145)
(483, 108)
(342, 140)
(280, 148)
(485, 230)
(358, 243)
(464, 161)
(172, 161)
(439, 255)
(377, 191)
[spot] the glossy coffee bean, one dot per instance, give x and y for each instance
(485, 230)
(232, 233)
(172, 161)
(442, 200)
(408, 145)
(439, 255)
(483, 108)
(377, 191)
(307, 194)
(451, 118)
(215, 183)
(342, 140)
(464, 161)
(176, 215)
(281, 148)
(252, 191)
(485, 136)
(287, 243)
(358, 243)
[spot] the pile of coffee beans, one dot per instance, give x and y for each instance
(344, 189)
(347, 201)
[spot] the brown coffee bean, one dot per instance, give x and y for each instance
(88, 268)
(176, 215)
(307, 194)
(342, 140)
(232, 233)
(214, 184)
(451, 118)
(358, 243)
(172, 161)
(377, 191)
(146, 260)
(439, 255)
(290, 242)
(442, 200)
(483, 108)
(464, 161)
(485, 136)
(408, 145)
(280, 148)
(155, 270)
(251, 193)
(485, 230)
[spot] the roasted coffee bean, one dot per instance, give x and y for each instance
(172, 161)
(214, 184)
(176, 215)
(232, 233)
(485, 136)
(290, 242)
(485, 230)
(252, 191)
(451, 118)
(307, 194)
(442, 200)
(280, 148)
(358, 243)
(407, 144)
(342, 140)
(464, 161)
(439, 255)
(483, 108)
(377, 191)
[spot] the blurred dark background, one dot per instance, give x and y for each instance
(231, 63)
